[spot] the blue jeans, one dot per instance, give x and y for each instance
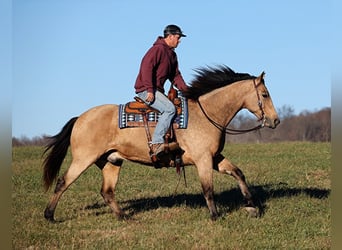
(167, 112)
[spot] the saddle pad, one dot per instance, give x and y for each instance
(130, 120)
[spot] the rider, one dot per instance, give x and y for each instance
(158, 65)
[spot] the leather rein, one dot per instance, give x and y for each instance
(230, 131)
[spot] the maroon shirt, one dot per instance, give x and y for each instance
(158, 65)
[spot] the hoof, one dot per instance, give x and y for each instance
(122, 216)
(252, 211)
(51, 220)
(48, 215)
(214, 217)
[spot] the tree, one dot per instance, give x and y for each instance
(285, 112)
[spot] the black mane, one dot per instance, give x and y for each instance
(209, 78)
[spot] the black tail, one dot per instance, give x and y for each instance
(58, 147)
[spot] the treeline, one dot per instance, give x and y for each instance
(307, 126)
(25, 141)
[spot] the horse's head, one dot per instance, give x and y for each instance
(259, 102)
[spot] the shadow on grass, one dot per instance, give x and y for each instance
(226, 201)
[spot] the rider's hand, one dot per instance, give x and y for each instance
(150, 97)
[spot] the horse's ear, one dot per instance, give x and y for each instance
(262, 75)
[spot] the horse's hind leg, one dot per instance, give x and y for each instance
(110, 174)
(205, 173)
(224, 166)
(74, 171)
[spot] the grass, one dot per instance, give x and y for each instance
(290, 180)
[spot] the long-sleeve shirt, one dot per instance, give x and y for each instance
(158, 65)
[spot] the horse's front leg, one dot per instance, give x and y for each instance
(224, 166)
(205, 173)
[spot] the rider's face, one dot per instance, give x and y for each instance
(173, 40)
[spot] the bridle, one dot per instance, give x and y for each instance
(230, 131)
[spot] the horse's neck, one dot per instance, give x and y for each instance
(222, 104)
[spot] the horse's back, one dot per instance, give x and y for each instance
(96, 126)
(101, 109)
(98, 115)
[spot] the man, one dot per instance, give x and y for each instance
(158, 65)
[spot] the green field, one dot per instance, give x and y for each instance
(290, 180)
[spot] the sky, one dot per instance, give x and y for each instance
(71, 55)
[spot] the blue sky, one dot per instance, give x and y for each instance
(71, 55)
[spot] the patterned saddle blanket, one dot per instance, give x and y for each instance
(129, 119)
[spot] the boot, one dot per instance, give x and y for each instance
(157, 149)
(173, 146)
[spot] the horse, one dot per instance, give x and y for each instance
(214, 97)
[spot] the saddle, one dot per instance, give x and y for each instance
(140, 107)
(172, 156)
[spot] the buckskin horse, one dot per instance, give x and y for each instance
(214, 97)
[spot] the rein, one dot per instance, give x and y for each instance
(230, 131)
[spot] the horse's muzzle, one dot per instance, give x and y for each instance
(272, 123)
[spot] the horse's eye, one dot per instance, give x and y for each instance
(265, 95)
